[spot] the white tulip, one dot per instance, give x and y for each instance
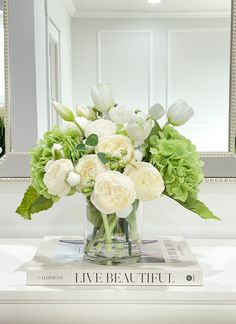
(71, 129)
(139, 127)
(89, 167)
(55, 177)
(102, 97)
(63, 111)
(147, 180)
(120, 114)
(84, 111)
(1, 150)
(113, 192)
(179, 113)
(100, 127)
(114, 145)
(156, 111)
(73, 178)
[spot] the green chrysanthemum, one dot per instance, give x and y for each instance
(43, 153)
(178, 162)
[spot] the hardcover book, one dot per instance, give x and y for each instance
(165, 261)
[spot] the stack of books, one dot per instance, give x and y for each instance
(165, 261)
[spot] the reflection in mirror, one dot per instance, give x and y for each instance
(182, 52)
(148, 53)
(2, 86)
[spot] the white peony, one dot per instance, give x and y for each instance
(102, 97)
(113, 192)
(120, 114)
(179, 113)
(114, 145)
(88, 167)
(100, 127)
(55, 177)
(139, 127)
(147, 180)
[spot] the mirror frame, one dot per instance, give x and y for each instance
(14, 166)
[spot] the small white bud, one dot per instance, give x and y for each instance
(73, 178)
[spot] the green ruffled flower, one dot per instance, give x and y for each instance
(178, 162)
(41, 154)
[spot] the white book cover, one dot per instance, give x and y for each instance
(165, 261)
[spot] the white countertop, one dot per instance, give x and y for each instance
(217, 257)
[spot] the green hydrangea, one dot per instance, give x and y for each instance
(178, 162)
(41, 154)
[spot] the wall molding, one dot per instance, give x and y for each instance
(150, 55)
(70, 7)
(148, 15)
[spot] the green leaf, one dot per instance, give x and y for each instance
(57, 155)
(40, 204)
(93, 214)
(80, 147)
(29, 198)
(92, 140)
(197, 207)
(103, 157)
(33, 203)
(155, 131)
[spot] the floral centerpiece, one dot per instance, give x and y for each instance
(116, 158)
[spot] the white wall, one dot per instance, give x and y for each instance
(150, 60)
(160, 217)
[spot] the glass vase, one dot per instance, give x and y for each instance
(112, 240)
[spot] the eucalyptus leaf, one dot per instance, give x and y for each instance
(92, 140)
(80, 147)
(103, 157)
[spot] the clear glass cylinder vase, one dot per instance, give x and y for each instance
(111, 240)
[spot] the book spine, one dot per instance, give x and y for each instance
(111, 277)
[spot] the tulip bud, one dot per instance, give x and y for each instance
(139, 127)
(179, 113)
(63, 111)
(84, 111)
(57, 151)
(120, 114)
(156, 111)
(102, 97)
(73, 178)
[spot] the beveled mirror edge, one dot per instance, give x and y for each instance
(208, 157)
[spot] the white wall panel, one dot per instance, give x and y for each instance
(125, 61)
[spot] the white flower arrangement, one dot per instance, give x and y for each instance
(115, 155)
